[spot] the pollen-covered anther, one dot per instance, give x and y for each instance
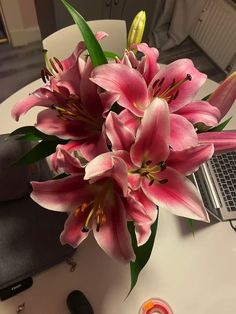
(45, 75)
(81, 208)
(100, 218)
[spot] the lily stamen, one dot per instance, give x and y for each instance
(86, 225)
(166, 93)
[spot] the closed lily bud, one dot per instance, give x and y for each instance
(137, 28)
(224, 96)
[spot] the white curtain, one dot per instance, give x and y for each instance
(173, 21)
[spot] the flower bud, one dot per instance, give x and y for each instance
(137, 28)
(224, 96)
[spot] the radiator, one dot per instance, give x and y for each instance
(215, 32)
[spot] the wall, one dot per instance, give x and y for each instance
(20, 21)
(28, 13)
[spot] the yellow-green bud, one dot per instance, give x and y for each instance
(137, 28)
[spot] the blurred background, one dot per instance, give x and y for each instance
(203, 30)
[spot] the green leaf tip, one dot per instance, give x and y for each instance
(94, 49)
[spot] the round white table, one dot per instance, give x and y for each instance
(195, 275)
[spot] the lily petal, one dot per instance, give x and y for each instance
(182, 133)
(108, 165)
(127, 82)
(72, 233)
(151, 65)
(69, 147)
(113, 236)
(68, 163)
(176, 72)
(223, 141)
(129, 120)
(187, 161)
(152, 139)
(64, 194)
(200, 111)
(50, 123)
(225, 95)
(120, 136)
(178, 195)
(90, 99)
(41, 97)
(149, 207)
(94, 146)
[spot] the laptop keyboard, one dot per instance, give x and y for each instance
(224, 167)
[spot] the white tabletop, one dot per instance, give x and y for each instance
(195, 275)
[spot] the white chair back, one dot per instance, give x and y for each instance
(61, 43)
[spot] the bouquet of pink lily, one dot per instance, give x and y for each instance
(125, 135)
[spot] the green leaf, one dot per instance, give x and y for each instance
(191, 224)
(220, 126)
(93, 46)
(25, 130)
(30, 133)
(110, 55)
(201, 127)
(142, 252)
(38, 152)
(206, 97)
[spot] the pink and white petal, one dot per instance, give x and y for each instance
(188, 161)
(107, 100)
(142, 232)
(68, 163)
(98, 166)
(134, 179)
(135, 210)
(127, 82)
(182, 133)
(69, 147)
(120, 136)
(64, 194)
(149, 206)
(223, 141)
(225, 95)
(152, 138)
(50, 123)
(90, 98)
(129, 120)
(200, 111)
(73, 58)
(41, 97)
(178, 195)
(113, 236)
(108, 165)
(151, 65)
(94, 146)
(70, 79)
(176, 72)
(72, 233)
(130, 59)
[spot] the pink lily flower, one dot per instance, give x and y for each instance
(155, 169)
(74, 108)
(97, 200)
(176, 84)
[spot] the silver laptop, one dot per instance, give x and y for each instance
(216, 181)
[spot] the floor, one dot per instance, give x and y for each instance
(22, 65)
